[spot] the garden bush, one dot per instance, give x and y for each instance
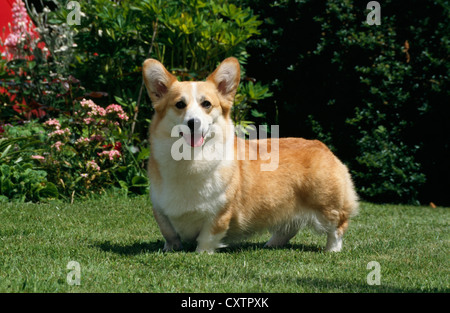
(89, 152)
(22, 183)
(190, 37)
(113, 39)
(87, 147)
(376, 94)
(80, 155)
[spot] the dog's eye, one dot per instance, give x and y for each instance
(180, 105)
(206, 104)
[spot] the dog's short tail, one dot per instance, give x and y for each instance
(351, 199)
(350, 205)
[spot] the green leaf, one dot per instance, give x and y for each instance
(123, 184)
(5, 152)
(139, 181)
(143, 154)
(49, 191)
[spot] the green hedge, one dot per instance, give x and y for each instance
(377, 94)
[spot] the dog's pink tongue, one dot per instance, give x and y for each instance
(195, 140)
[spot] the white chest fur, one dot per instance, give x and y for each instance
(190, 194)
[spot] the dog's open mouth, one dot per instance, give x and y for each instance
(194, 140)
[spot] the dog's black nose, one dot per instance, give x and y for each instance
(194, 124)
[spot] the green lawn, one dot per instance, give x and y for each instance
(118, 246)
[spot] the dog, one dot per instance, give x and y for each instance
(211, 195)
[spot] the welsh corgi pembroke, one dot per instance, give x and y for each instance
(201, 188)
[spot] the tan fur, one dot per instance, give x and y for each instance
(309, 176)
(310, 185)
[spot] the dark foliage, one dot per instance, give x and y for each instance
(378, 95)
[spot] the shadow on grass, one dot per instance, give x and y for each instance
(133, 249)
(157, 246)
(246, 246)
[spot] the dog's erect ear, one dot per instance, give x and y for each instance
(157, 79)
(226, 77)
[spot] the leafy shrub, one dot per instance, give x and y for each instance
(20, 182)
(190, 37)
(19, 143)
(376, 94)
(387, 168)
(88, 153)
(25, 130)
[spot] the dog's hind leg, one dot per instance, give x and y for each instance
(334, 237)
(173, 241)
(334, 241)
(281, 236)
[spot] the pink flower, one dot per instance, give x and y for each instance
(82, 141)
(21, 31)
(112, 154)
(60, 132)
(117, 109)
(53, 122)
(88, 120)
(58, 145)
(37, 157)
(92, 165)
(84, 175)
(95, 110)
(87, 103)
(114, 108)
(99, 111)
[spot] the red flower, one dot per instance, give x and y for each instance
(118, 146)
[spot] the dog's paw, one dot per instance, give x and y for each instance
(333, 249)
(172, 246)
(205, 250)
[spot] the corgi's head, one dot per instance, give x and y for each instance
(196, 110)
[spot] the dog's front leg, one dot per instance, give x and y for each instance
(213, 232)
(208, 241)
(173, 242)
